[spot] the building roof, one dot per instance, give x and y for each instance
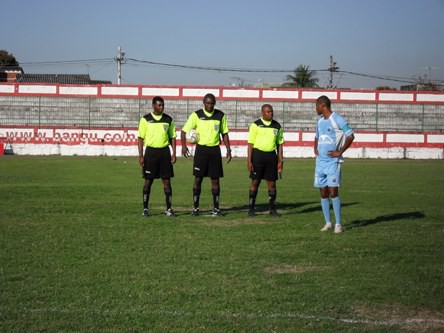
(9, 69)
(59, 78)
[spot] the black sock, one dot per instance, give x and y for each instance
(146, 196)
(252, 201)
(168, 197)
(216, 194)
(272, 199)
(196, 197)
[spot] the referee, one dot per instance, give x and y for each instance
(157, 133)
(211, 124)
(265, 157)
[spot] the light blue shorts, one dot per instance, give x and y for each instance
(327, 174)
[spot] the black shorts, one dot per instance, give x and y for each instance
(208, 162)
(157, 163)
(264, 165)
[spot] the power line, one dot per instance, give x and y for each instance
(216, 69)
(132, 62)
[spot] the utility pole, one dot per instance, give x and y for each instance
(119, 59)
(333, 68)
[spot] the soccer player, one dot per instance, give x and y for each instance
(157, 133)
(265, 157)
(333, 137)
(211, 124)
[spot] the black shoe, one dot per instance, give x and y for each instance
(273, 212)
(251, 213)
(195, 212)
(216, 212)
(145, 212)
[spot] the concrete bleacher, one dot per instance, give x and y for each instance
(112, 106)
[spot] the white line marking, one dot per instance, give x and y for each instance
(289, 315)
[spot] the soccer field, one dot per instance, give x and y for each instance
(77, 256)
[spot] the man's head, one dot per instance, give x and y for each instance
(158, 105)
(267, 112)
(209, 102)
(322, 103)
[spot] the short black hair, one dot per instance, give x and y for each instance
(210, 96)
(324, 100)
(266, 106)
(158, 99)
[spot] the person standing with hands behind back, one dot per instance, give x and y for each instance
(157, 133)
(333, 137)
(211, 123)
(265, 157)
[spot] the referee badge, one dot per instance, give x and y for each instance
(275, 132)
(165, 127)
(216, 127)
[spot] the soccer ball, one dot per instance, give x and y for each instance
(193, 136)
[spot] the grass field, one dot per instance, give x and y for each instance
(77, 256)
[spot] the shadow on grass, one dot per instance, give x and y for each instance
(283, 208)
(386, 218)
(319, 209)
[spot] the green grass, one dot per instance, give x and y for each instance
(76, 255)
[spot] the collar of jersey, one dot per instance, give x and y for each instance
(157, 117)
(266, 122)
(208, 114)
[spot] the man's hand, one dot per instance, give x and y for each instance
(280, 168)
(185, 151)
(228, 155)
(250, 166)
(334, 153)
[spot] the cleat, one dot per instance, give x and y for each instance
(169, 213)
(273, 212)
(338, 229)
(216, 212)
(145, 212)
(327, 227)
(251, 213)
(195, 212)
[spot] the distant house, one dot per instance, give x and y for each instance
(9, 73)
(59, 78)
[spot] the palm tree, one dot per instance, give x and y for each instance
(303, 78)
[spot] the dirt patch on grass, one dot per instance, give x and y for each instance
(293, 269)
(219, 221)
(402, 317)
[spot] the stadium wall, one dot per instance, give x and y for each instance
(123, 142)
(47, 119)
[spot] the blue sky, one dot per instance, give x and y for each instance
(384, 38)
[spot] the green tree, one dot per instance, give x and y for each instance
(7, 59)
(303, 78)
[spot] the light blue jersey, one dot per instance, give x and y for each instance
(331, 134)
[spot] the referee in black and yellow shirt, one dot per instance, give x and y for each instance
(265, 157)
(157, 133)
(211, 124)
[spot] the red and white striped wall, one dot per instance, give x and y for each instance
(123, 142)
(195, 92)
(115, 142)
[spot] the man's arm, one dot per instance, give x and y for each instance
(316, 147)
(173, 148)
(249, 157)
(183, 141)
(226, 140)
(140, 147)
(280, 155)
(347, 143)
